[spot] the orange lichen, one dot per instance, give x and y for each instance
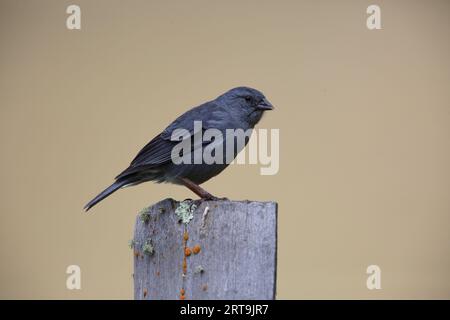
(205, 287)
(186, 251)
(196, 249)
(182, 297)
(157, 273)
(145, 292)
(136, 253)
(184, 265)
(182, 292)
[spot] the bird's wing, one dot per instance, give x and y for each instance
(158, 150)
(155, 153)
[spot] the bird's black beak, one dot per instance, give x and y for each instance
(264, 105)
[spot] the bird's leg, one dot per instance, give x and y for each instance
(202, 193)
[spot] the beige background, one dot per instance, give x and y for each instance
(363, 116)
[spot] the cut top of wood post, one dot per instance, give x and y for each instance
(206, 250)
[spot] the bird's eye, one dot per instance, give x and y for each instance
(248, 98)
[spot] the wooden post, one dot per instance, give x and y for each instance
(206, 250)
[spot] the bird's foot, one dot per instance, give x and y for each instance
(202, 193)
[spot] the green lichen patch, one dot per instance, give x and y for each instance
(131, 243)
(185, 211)
(199, 269)
(148, 248)
(144, 215)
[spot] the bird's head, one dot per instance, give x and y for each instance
(246, 103)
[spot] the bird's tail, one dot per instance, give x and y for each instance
(112, 188)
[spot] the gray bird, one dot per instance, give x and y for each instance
(238, 108)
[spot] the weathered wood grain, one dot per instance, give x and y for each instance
(237, 258)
